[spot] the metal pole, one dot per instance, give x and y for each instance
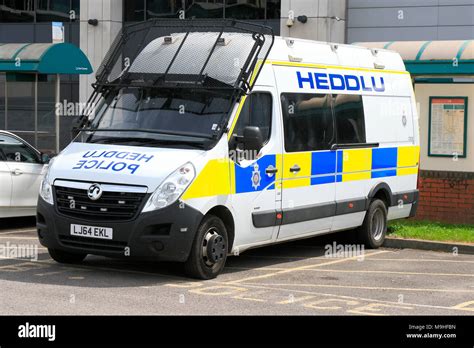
(36, 110)
(56, 110)
(6, 103)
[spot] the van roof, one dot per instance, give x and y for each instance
(303, 52)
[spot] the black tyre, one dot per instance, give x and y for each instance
(209, 250)
(373, 230)
(66, 257)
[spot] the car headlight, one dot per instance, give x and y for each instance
(171, 188)
(46, 190)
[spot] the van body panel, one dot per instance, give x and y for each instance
(282, 193)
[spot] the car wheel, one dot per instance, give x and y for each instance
(209, 250)
(374, 228)
(66, 257)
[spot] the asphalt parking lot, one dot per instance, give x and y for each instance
(294, 278)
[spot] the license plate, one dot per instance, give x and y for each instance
(91, 231)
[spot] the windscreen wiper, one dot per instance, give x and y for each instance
(147, 141)
(186, 134)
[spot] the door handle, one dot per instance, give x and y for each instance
(17, 172)
(295, 169)
(271, 170)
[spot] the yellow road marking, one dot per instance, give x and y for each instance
(243, 297)
(372, 309)
(315, 293)
(296, 300)
(50, 273)
(423, 260)
(363, 287)
(465, 306)
(255, 269)
(289, 270)
(19, 231)
(395, 272)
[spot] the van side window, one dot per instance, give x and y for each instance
(256, 111)
(349, 112)
(308, 122)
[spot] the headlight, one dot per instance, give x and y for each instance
(46, 190)
(171, 188)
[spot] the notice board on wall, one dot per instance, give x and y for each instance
(447, 126)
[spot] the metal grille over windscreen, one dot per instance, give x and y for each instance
(209, 54)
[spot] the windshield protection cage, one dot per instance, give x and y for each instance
(208, 54)
(220, 55)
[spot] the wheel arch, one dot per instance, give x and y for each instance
(381, 191)
(223, 213)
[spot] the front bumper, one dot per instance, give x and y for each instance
(164, 235)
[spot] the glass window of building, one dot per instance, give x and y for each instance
(21, 106)
(53, 10)
(45, 136)
(76, 7)
(133, 10)
(245, 9)
(2, 101)
(163, 8)
(204, 9)
(17, 11)
(273, 10)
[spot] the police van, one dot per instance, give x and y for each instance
(207, 142)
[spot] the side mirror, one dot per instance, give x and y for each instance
(45, 158)
(252, 139)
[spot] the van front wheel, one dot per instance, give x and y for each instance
(209, 250)
(373, 230)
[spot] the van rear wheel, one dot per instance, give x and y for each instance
(66, 257)
(209, 250)
(374, 228)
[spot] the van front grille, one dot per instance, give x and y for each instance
(92, 244)
(111, 206)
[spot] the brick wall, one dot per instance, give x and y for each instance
(446, 197)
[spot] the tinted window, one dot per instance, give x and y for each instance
(257, 111)
(245, 9)
(163, 8)
(273, 9)
(134, 11)
(2, 101)
(53, 10)
(308, 122)
(17, 11)
(204, 9)
(349, 112)
(16, 151)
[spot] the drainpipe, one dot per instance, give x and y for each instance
(56, 109)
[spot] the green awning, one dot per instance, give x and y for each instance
(44, 58)
(453, 57)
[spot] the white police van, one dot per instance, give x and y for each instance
(207, 143)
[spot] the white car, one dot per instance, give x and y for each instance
(21, 172)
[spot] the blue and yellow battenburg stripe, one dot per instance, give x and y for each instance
(222, 176)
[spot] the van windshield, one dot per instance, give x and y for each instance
(157, 117)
